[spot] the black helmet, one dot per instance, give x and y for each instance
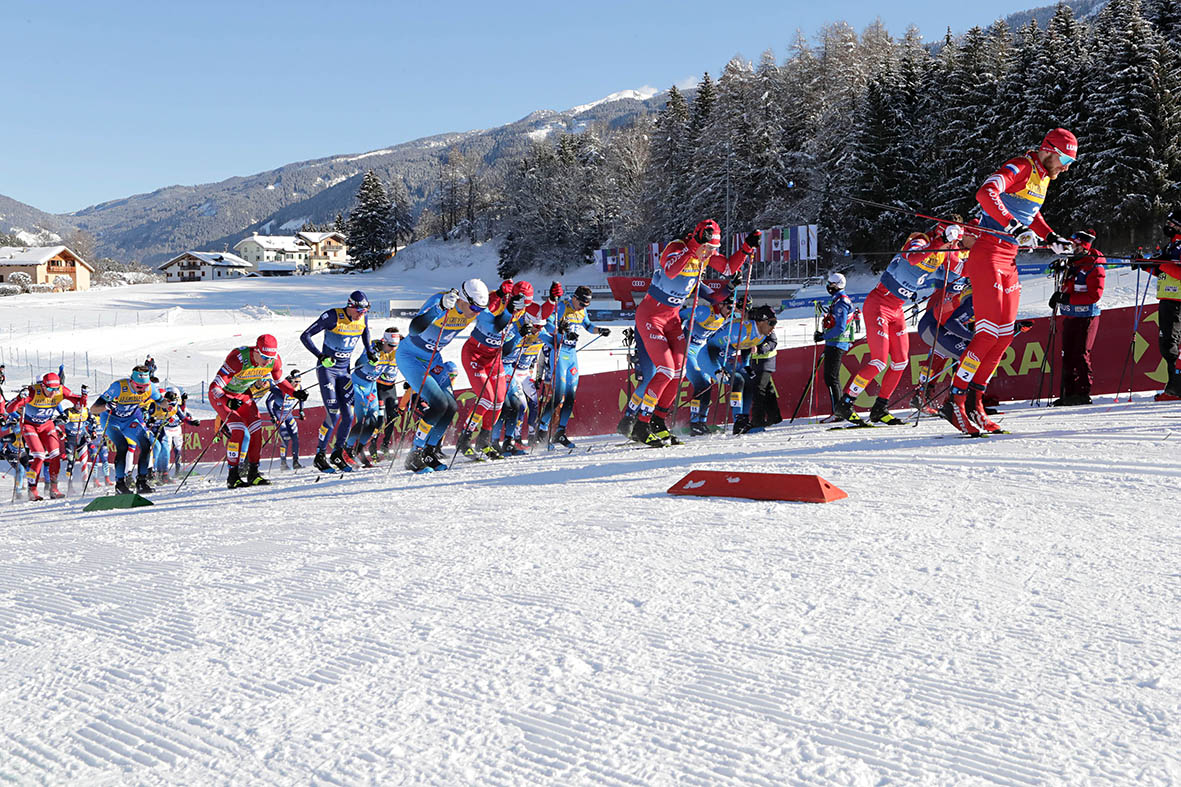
(583, 293)
(760, 313)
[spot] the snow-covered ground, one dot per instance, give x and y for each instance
(1004, 610)
(977, 611)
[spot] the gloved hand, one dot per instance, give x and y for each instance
(752, 239)
(629, 335)
(1055, 299)
(1059, 244)
(735, 281)
(372, 357)
(196, 422)
(1024, 326)
(233, 403)
(514, 303)
(818, 336)
(449, 299)
(704, 235)
(328, 361)
(1024, 236)
(571, 336)
(300, 395)
(563, 327)
(556, 291)
(604, 331)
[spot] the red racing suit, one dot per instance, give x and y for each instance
(658, 317)
(1015, 191)
(240, 379)
(38, 429)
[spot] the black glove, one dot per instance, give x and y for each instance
(233, 403)
(753, 238)
(300, 395)
(563, 327)
(1059, 244)
(629, 336)
(571, 336)
(1023, 326)
(604, 332)
(1055, 299)
(84, 389)
(734, 281)
(704, 235)
(818, 336)
(373, 357)
(196, 422)
(514, 303)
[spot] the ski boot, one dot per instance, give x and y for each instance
(660, 429)
(283, 464)
(485, 448)
(561, 439)
(880, 414)
(295, 465)
(34, 496)
(233, 480)
(121, 486)
(142, 487)
(252, 475)
(165, 478)
(435, 458)
(342, 464)
(741, 424)
(54, 492)
(465, 448)
(642, 434)
(844, 410)
(698, 428)
(352, 455)
(626, 424)
(954, 410)
(321, 463)
(974, 404)
(417, 461)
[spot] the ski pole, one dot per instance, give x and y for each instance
(688, 338)
(553, 387)
(923, 401)
(1049, 348)
(412, 407)
(200, 456)
(734, 364)
(806, 389)
(1140, 302)
(94, 464)
(896, 209)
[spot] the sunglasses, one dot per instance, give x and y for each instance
(1065, 159)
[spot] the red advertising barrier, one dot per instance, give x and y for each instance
(602, 397)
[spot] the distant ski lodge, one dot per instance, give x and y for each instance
(311, 252)
(46, 266)
(205, 266)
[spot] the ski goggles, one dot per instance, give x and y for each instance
(1066, 160)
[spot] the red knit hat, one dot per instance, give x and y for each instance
(267, 346)
(1062, 142)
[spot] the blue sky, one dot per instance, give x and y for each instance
(109, 99)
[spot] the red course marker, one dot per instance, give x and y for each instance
(790, 487)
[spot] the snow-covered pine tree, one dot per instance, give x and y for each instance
(800, 103)
(401, 212)
(722, 167)
(370, 225)
(666, 175)
(1124, 170)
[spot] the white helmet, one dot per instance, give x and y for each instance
(475, 292)
(837, 279)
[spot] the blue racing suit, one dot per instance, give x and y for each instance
(340, 339)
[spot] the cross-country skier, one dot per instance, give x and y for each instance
(562, 331)
(160, 415)
(1083, 278)
(122, 419)
(658, 321)
(837, 335)
(441, 319)
(1011, 199)
(39, 405)
(703, 361)
(281, 408)
(740, 339)
(377, 360)
(482, 356)
(79, 429)
(764, 410)
(342, 329)
(387, 398)
(885, 318)
(520, 357)
(1168, 295)
(246, 373)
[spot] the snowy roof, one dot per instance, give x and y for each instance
(316, 237)
(217, 259)
(36, 255)
(284, 243)
(278, 266)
